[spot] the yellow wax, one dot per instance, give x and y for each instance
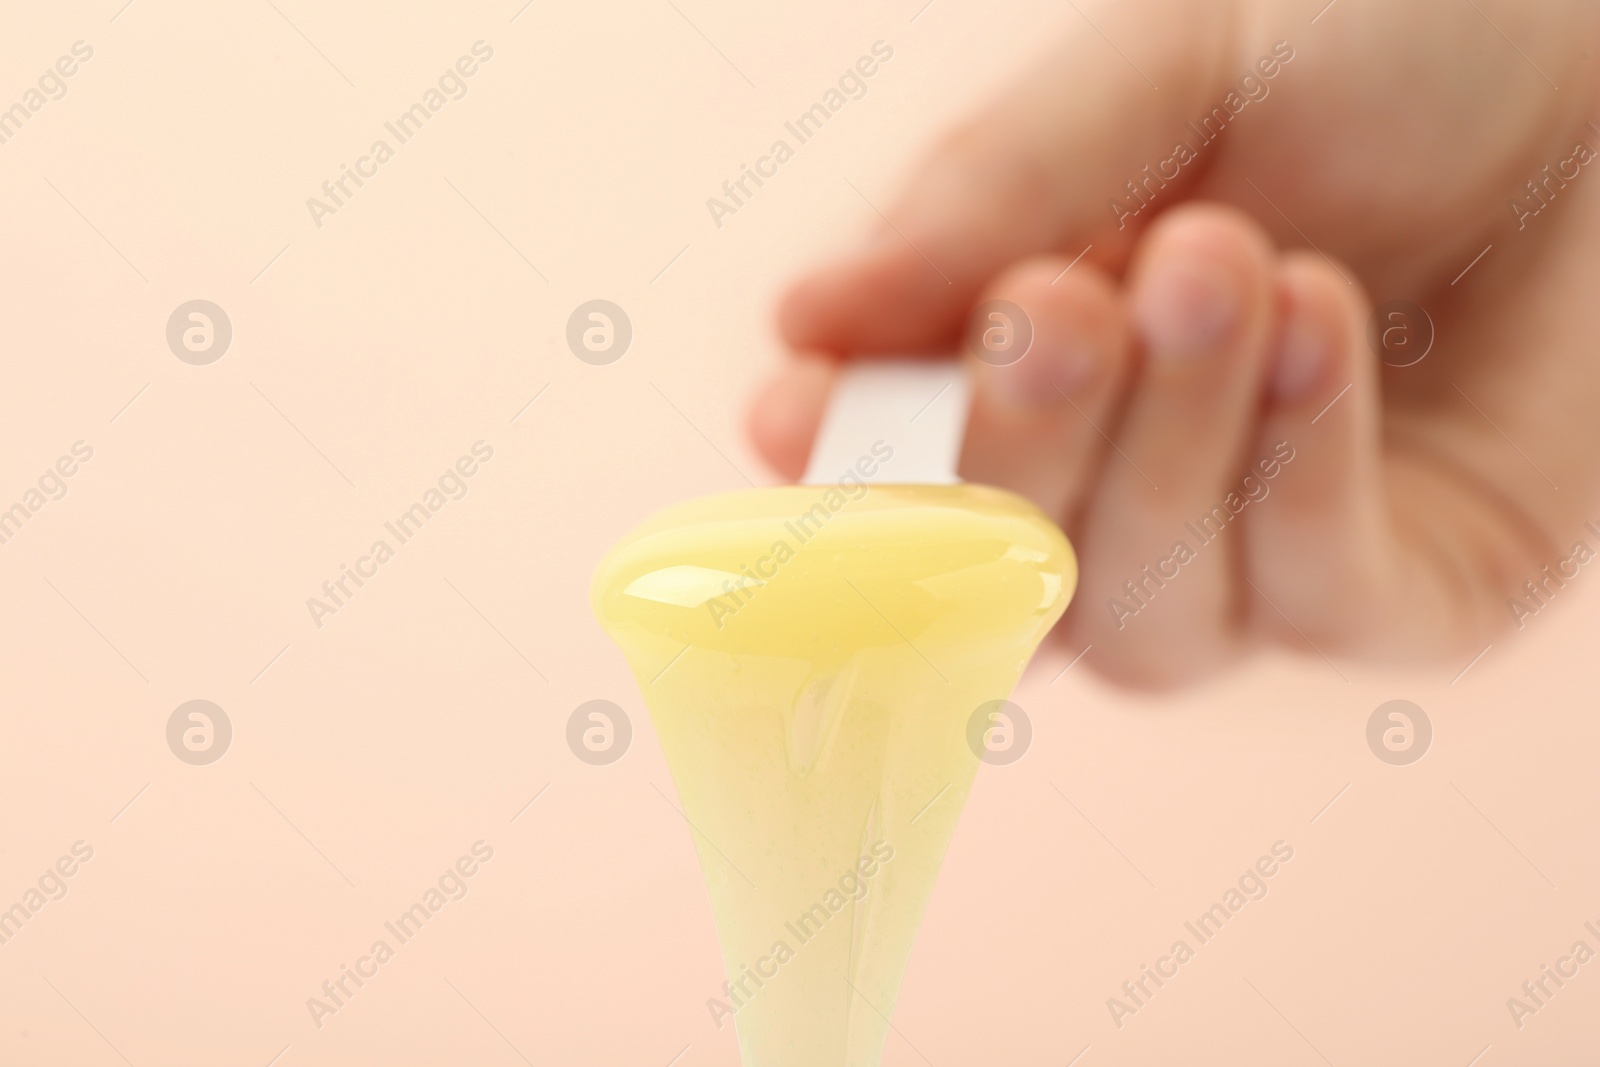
(812, 658)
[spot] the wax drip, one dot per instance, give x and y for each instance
(812, 723)
(862, 912)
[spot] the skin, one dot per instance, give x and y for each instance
(1200, 333)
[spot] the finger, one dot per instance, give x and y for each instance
(782, 421)
(1318, 534)
(1035, 171)
(1032, 424)
(1334, 565)
(1157, 597)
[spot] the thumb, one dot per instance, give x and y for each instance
(1036, 170)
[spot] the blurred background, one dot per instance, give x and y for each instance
(347, 357)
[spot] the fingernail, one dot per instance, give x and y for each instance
(1301, 357)
(1049, 372)
(1187, 307)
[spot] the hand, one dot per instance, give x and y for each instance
(1208, 357)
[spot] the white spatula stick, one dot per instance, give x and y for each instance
(914, 408)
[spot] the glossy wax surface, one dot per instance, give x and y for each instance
(812, 659)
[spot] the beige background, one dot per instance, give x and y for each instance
(371, 753)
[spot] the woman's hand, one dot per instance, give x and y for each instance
(1202, 406)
